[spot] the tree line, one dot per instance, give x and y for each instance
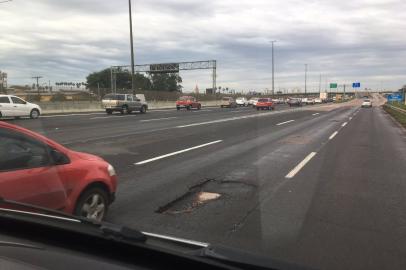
(170, 82)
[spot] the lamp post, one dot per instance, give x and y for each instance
(273, 68)
(305, 79)
(132, 49)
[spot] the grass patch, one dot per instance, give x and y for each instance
(399, 105)
(400, 117)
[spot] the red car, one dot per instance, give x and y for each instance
(41, 172)
(265, 103)
(188, 102)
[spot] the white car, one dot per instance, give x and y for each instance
(242, 101)
(310, 101)
(366, 103)
(318, 101)
(12, 106)
(253, 101)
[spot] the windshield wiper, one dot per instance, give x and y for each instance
(59, 219)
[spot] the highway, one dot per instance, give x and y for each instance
(321, 186)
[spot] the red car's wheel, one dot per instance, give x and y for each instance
(93, 204)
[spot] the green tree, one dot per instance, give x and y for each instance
(123, 80)
(157, 81)
(101, 77)
(166, 82)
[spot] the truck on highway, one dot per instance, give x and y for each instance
(324, 96)
(124, 103)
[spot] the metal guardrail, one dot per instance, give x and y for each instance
(396, 108)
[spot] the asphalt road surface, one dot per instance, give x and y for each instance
(320, 186)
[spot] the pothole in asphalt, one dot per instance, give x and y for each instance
(205, 193)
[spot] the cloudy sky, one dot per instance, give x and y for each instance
(345, 41)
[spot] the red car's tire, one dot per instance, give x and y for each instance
(93, 204)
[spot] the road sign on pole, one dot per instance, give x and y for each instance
(395, 97)
(356, 85)
(333, 85)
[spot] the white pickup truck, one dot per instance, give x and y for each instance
(124, 103)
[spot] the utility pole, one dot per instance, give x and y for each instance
(98, 91)
(37, 78)
(320, 84)
(344, 92)
(305, 79)
(273, 68)
(132, 50)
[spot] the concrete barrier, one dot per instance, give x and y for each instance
(96, 106)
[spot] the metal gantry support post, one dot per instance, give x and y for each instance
(214, 83)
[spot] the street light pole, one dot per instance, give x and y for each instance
(273, 68)
(305, 79)
(320, 84)
(132, 49)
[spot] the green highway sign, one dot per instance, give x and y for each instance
(333, 85)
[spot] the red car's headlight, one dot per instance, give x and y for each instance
(111, 170)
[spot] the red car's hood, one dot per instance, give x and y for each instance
(86, 156)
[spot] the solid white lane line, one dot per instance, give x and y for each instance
(205, 110)
(314, 114)
(112, 117)
(67, 115)
(344, 124)
(158, 119)
(300, 165)
(333, 135)
(162, 110)
(283, 123)
(350, 118)
(177, 152)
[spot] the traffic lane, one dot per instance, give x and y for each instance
(62, 127)
(120, 129)
(243, 171)
(113, 126)
(50, 124)
(346, 208)
(125, 151)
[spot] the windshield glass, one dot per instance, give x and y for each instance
(272, 127)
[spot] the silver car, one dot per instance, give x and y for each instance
(124, 103)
